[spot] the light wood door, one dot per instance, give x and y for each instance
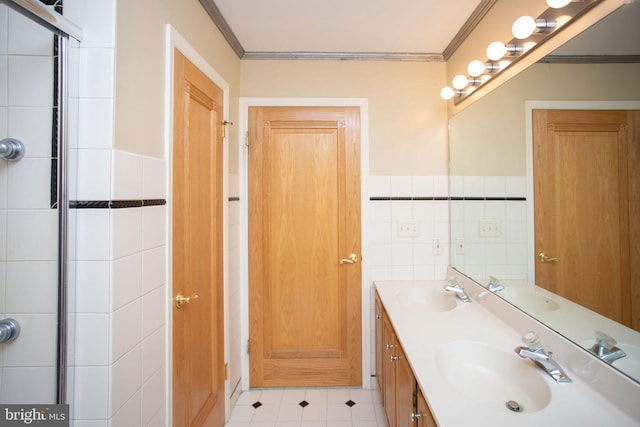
(304, 218)
(587, 213)
(198, 330)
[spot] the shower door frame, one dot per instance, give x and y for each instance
(63, 29)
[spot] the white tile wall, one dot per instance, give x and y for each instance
(392, 257)
(122, 255)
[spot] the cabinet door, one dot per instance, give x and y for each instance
(405, 390)
(379, 345)
(388, 372)
(425, 418)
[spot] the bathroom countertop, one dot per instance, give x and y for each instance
(422, 332)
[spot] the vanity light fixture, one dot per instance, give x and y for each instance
(528, 33)
(447, 93)
(460, 81)
(524, 26)
(476, 68)
(557, 4)
(497, 50)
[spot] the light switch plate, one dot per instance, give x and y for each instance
(408, 229)
(489, 228)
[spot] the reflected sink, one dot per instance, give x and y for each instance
(528, 300)
(427, 299)
(492, 376)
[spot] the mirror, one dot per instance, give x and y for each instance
(491, 182)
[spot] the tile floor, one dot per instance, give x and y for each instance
(313, 407)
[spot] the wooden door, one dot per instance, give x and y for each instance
(198, 330)
(587, 213)
(304, 222)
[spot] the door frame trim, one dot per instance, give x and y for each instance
(531, 105)
(245, 103)
(174, 40)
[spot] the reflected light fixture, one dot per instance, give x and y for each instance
(557, 4)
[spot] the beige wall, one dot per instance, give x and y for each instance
(139, 90)
(407, 118)
(488, 137)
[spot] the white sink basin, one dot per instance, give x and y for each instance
(528, 300)
(493, 377)
(428, 299)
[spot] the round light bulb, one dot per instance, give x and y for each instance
(496, 51)
(557, 4)
(476, 68)
(523, 27)
(460, 81)
(447, 93)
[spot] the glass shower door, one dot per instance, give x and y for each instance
(28, 210)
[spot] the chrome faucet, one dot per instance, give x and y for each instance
(535, 352)
(605, 348)
(494, 284)
(455, 287)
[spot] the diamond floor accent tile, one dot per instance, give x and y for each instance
(303, 403)
(257, 404)
(349, 403)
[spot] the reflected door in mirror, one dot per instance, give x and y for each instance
(587, 210)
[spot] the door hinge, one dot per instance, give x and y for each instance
(248, 352)
(246, 139)
(226, 371)
(225, 128)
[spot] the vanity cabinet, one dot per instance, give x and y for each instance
(398, 386)
(379, 343)
(423, 413)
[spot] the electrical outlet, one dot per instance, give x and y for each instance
(488, 228)
(408, 229)
(437, 247)
(459, 246)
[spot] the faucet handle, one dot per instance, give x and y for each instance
(532, 340)
(604, 340)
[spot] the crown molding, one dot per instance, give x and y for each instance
(478, 15)
(223, 26)
(346, 56)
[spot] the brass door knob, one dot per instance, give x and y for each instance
(543, 258)
(353, 258)
(181, 300)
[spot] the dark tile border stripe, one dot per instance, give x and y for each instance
(115, 204)
(444, 198)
